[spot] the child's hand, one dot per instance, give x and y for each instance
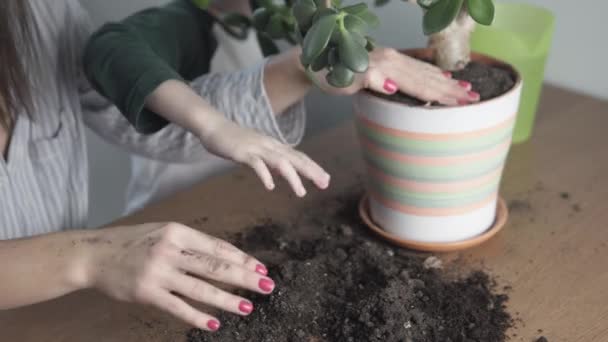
(264, 154)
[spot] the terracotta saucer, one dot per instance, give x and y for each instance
(502, 213)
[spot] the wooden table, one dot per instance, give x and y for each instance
(553, 252)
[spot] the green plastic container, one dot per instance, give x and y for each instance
(520, 35)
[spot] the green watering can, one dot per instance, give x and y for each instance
(520, 35)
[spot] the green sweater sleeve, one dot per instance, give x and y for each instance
(127, 61)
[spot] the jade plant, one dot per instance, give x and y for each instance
(334, 37)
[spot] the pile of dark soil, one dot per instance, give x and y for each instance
(488, 81)
(336, 283)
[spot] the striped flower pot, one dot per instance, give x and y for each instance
(434, 172)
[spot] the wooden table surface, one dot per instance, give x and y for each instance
(553, 251)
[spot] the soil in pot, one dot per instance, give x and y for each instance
(337, 283)
(489, 81)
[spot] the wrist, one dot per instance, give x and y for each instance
(80, 260)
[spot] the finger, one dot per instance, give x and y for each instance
(213, 268)
(308, 168)
(206, 293)
(263, 173)
(200, 243)
(182, 310)
(283, 165)
(458, 92)
(378, 82)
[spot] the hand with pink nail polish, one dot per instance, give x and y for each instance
(159, 264)
(391, 71)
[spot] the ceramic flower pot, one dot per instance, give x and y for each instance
(434, 172)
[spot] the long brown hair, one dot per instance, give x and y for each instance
(16, 50)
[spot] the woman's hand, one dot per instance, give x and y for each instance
(263, 154)
(160, 263)
(391, 71)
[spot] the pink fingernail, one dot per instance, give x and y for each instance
(267, 285)
(447, 74)
(474, 95)
(464, 84)
(261, 269)
(390, 86)
(246, 307)
(213, 325)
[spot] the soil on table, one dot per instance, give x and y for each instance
(337, 283)
(489, 81)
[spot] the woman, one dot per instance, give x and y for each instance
(44, 104)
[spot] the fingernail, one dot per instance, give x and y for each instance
(261, 269)
(213, 325)
(447, 74)
(474, 95)
(246, 307)
(464, 84)
(267, 285)
(326, 180)
(390, 86)
(463, 102)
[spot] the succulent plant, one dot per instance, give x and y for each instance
(334, 37)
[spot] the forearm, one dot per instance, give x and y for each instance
(285, 84)
(42, 268)
(285, 81)
(175, 101)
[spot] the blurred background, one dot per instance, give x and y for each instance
(577, 61)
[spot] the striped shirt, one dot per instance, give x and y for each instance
(44, 180)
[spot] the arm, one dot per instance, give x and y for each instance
(143, 68)
(145, 264)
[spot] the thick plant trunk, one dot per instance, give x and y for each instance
(452, 45)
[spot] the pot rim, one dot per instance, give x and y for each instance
(475, 56)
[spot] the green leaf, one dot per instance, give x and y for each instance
(482, 11)
(370, 18)
(304, 11)
(355, 9)
(261, 17)
(440, 15)
(321, 62)
(317, 38)
(323, 13)
(333, 57)
(359, 38)
(275, 28)
(336, 3)
(267, 45)
(355, 24)
(352, 54)
(371, 44)
(340, 76)
(426, 3)
(202, 4)
(236, 25)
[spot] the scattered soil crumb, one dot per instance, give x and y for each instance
(516, 206)
(433, 262)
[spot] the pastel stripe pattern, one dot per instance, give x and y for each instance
(434, 174)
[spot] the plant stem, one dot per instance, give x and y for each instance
(452, 45)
